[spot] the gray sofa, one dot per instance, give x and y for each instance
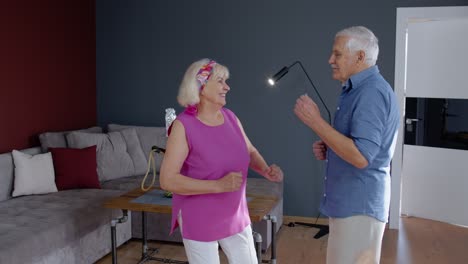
(71, 226)
(60, 227)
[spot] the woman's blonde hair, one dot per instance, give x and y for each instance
(189, 89)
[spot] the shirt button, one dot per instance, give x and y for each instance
(324, 195)
(325, 178)
(338, 108)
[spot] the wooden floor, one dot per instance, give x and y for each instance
(417, 241)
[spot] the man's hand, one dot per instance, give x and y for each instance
(307, 110)
(273, 173)
(230, 182)
(320, 150)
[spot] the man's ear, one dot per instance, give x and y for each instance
(361, 56)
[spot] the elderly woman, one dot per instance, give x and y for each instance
(205, 165)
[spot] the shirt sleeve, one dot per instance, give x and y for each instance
(368, 121)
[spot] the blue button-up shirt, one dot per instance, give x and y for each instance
(368, 114)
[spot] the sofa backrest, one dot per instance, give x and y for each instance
(119, 153)
(7, 169)
(58, 139)
(148, 136)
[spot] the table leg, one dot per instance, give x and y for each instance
(274, 222)
(144, 248)
(147, 253)
(258, 245)
(114, 223)
(273, 239)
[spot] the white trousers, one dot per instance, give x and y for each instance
(239, 248)
(355, 240)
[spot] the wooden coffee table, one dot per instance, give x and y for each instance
(259, 206)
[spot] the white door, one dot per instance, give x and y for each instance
(431, 61)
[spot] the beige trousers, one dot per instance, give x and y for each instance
(355, 240)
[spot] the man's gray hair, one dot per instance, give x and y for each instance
(361, 38)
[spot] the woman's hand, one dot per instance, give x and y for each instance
(273, 173)
(230, 182)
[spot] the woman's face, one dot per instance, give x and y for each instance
(215, 90)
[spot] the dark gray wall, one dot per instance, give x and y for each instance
(143, 48)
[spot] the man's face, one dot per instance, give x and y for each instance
(343, 62)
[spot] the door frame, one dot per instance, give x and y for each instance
(404, 17)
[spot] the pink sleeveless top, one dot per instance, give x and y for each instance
(214, 151)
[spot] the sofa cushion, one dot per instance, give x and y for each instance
(68, 175)
(119, 153)
(148, 136)
(33, 226)
(128, 183)
(7, 172)
(58, 139)
(34, 174)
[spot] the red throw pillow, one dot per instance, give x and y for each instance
(75, 168)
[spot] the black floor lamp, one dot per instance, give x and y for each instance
(323, 229)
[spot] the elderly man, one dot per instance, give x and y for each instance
(358, 149)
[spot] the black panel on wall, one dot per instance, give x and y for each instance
(144, 47)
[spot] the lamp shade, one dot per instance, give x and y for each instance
(278, 75)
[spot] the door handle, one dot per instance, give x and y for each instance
(409, 121)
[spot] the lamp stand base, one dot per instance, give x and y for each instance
(323, 229)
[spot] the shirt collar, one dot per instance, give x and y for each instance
(356, 79)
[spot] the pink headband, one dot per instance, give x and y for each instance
(205, 72)
(202, 77)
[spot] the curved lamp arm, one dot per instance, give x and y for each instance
(285, 70)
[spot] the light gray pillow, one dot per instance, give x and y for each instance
(34, 174)
(148, 136)
(58, 139)
(119, 153)
(7, 168)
